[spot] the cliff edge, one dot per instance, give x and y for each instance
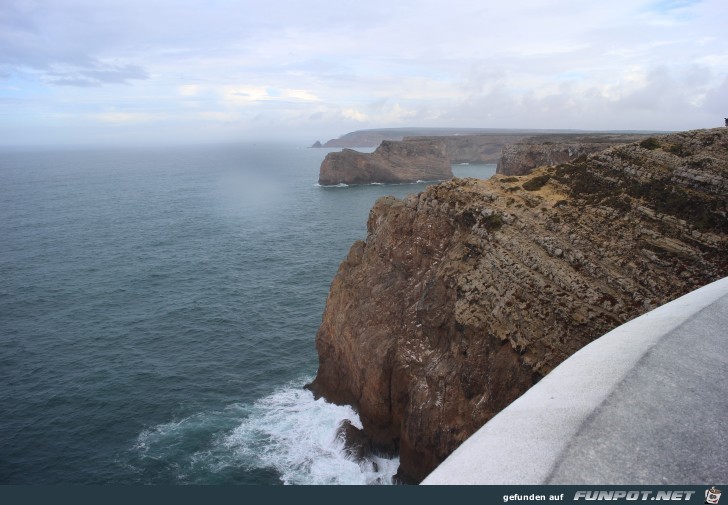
(391, 162)
(465, 295)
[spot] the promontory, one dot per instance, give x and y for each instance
(465, 295)
(392, 162)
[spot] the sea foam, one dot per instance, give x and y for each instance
(296, 435)
(288, 432)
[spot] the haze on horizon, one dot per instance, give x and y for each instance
(88, 72)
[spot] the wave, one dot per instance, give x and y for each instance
(343, 185)
(340, 185)
(288, 432)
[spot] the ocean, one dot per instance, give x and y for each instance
(158, 313)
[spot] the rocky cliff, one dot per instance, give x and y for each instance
(521, 157)
(392, 162)
(374, 137)
(475, 148)
(516, 153)
(465, 295)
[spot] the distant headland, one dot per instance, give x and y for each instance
(406, 157)
(373, 137)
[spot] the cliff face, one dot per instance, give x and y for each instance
(522, 157)
(475, 148)
(519, 154)
(463, 296)
(392, 162)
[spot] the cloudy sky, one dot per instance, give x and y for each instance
(105, 71)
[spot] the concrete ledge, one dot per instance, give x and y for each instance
(638, 405)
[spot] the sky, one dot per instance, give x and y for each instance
(182, 71)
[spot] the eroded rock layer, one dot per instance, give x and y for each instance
(463, 296)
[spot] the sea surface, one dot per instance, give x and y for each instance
(158, 313)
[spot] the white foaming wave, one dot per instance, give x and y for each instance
(344, 185)
(287, 431)
(296, 435)
(340, 185)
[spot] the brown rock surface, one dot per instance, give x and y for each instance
(463, 296)
(392, 162)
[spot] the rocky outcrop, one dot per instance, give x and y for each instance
(392, 162)
(365, 138)
(357, 445)
(546, 151)
(465, 295)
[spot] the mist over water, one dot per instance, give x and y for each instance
(158, 310)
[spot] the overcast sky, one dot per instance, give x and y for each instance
(98, 71)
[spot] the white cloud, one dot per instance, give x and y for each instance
(242, 95)
(355, 114)
(300, 95)
(223, 117)
(125, 117)
(339, 65)
(188, 90)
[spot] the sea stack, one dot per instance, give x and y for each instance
(392, 162)
(465, 295)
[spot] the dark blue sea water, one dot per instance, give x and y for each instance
(158, 311)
